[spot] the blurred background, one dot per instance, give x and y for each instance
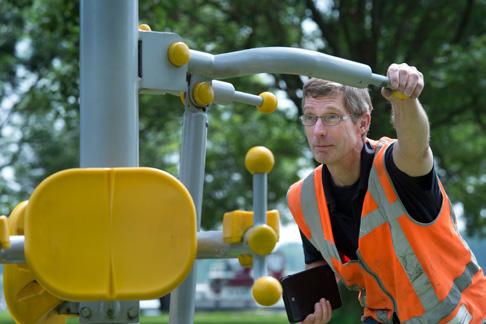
(446, 41)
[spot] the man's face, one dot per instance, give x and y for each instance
(332, 144)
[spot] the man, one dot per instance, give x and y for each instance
(375, 212)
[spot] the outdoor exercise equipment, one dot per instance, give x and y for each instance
(93, 241)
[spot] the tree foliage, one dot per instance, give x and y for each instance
(39, 116)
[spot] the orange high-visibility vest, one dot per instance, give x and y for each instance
(425, 273)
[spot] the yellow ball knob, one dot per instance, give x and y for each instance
(259, 159)
(178, 54)
(262, 239)
(269, 103)
(266, 291)
(144, 27)
(400, 95)
(203, 94)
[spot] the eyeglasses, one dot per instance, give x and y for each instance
(328, 119)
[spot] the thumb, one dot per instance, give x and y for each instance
(386, 93)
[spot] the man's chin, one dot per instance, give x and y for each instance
(322, 159)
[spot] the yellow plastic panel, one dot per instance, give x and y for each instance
(246, 260)
(27, 301)
(110, 234)
(273, 220)
(235, 224)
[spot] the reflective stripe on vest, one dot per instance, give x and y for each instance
(450, 303)
(416, 274)
(462, 316)
(312, 218)
(387, 212)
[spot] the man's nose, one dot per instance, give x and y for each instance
(320, 128)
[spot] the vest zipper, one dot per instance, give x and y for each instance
(378, 281)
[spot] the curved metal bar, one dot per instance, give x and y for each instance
(284, 60)
(14, 254)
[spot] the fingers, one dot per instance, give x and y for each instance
(322, 313)
(328, 312)
(318, 312)
(406, 79)
(393, 76)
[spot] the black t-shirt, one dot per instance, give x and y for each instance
(420, 196)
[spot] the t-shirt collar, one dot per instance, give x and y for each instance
(366, 161)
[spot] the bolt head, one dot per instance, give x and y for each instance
(132, 313)
(85, 312)
(110, 313)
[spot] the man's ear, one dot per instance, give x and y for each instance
(364, 124)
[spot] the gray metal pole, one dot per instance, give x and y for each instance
(15, 253)
(109, 109)
(109, 83)
(260, 216)
(191, 174)
(210, 245)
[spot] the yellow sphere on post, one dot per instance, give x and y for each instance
(178, 54)
(266, 291)
(262, 239)
(269, 103)
(259, 159)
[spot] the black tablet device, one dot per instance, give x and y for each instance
(303, 289)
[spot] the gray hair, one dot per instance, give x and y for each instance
(357, 102)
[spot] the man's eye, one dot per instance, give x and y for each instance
(332, 117)
(310, 118)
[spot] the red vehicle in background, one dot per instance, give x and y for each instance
(230, 285)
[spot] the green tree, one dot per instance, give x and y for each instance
(39, 89)
(39, 52)
(38, 94)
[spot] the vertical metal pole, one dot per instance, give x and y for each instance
(109, 83)
(191, 174)
(109, 106)
(259, 214)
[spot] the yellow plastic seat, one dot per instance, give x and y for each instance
(110, 234)
(27, 301)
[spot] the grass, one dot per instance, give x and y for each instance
(242, 317)
(5, 318)
(228, 317)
